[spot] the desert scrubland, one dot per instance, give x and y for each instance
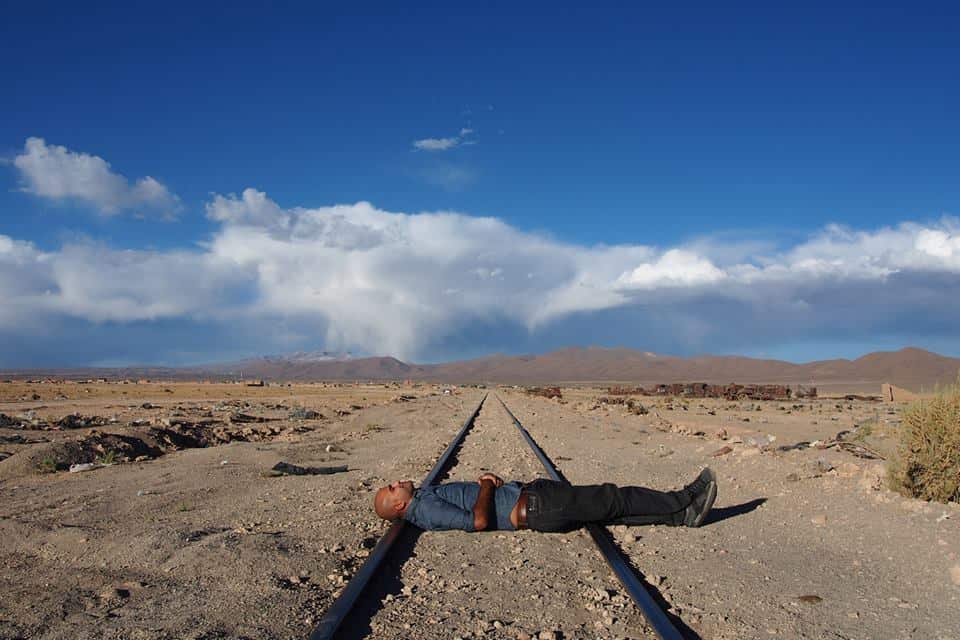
(179, 530)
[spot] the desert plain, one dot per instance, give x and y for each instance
(179, 529)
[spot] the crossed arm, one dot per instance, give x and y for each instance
(483, 508)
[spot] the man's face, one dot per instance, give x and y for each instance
(394, 495)
(400, 490)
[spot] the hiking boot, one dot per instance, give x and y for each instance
(704, 490)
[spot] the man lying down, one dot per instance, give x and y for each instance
(542, 505)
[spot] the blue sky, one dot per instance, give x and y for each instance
(748, 179)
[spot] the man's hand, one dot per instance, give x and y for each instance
(483, 509)
(496, 480)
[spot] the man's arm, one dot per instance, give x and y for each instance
(483, 509)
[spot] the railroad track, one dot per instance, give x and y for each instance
(659, 621)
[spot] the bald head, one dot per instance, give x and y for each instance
(390, 502)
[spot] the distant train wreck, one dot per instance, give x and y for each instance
(730, 391)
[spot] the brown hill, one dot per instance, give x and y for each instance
(911, 368)
(908, 367)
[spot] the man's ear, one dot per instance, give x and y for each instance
(400, 505)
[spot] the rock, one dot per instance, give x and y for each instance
(720, 434)
(819, 519)
(247, 418)
(722, 451)
(955, 574)
(85, 466)
(115, 593)
(302, 413)
(872, 479)
(547, 635)
(287, 469)
(77, 421)
(7, 422)
(821, 465)
(810, 599)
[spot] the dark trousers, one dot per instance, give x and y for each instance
(557, 506)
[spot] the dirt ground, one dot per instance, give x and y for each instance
(179, 530)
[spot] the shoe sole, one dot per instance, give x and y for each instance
(707, 505)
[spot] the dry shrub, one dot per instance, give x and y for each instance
(927, 463)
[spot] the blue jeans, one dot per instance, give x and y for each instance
(556, 506)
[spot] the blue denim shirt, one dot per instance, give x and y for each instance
(450, 506)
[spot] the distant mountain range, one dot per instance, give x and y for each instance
(909, 367)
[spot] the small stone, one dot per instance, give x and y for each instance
(810, 599)
(722, 451)
(547, 635)
(407, 590)
(115, 593)
(955, 574)
(523, 635)
(821, 465)
(819, 519)
(872, 479)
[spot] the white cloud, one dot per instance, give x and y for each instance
(361, 278)
(251, 208)
(445, 144)
(436, 144)
(55, 172)
(675, 268)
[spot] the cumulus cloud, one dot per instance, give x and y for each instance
(675, 268)
(55, 172)
(356, 277)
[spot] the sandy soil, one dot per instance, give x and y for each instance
(197, 543)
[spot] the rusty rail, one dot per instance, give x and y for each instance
(657, 618)
(341, 607)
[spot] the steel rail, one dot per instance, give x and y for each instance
(657, 618)
(341, 607)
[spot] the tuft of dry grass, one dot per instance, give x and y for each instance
(927, 462)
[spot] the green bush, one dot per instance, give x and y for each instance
(927, 462)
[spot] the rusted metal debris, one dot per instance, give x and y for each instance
(546, 392)
(732, 391)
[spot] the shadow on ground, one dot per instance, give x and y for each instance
(722, 513)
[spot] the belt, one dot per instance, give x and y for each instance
(522, 510)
